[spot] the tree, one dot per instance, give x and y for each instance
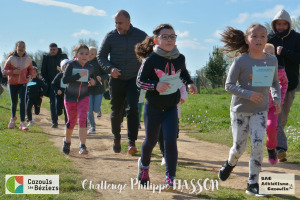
(89, 42)
(215, 69)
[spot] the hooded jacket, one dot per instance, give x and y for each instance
(49, 65)
(23, 63)
(120, 49)
(290, 53)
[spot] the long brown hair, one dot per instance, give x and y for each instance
(145, 48)
(11, 53)
(234, 39)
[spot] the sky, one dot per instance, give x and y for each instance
(198, 23)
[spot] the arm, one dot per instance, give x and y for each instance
(103, 53)
(68, 77)
(8, 68)
(142, 80)
(56, 82)
(275, 88)
(232, 78)
(292, 54)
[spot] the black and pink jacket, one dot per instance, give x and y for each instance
(75, 90)
(155, 67)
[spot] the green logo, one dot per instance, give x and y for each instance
(15, 184)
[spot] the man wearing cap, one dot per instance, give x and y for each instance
(117, 57)
(49, 70)
(287, 47)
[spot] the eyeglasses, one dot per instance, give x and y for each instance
(166, 36)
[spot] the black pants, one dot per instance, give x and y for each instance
(15, 91)
(52, 95)
(119, 91)
(60, 107)
(36, 102)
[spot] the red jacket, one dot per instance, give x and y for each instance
(24, 64)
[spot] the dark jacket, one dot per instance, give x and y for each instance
(148, 78)
(99, 88)
(75, 90)
(36, 88)
(56, 83)
(120, 48)
(290, 54)
(49, 65)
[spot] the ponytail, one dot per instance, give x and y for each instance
(145, 48)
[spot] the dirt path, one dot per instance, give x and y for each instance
(101, 164)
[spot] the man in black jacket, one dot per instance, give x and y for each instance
(49, 70)
(287, 47)
(123, 67)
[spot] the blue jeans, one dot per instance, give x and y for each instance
(95, 106)
(155, 120)
(15, 91)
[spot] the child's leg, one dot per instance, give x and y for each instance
(29, 108)
(240, 132)
(91, 111)
(71, 108)
(83, 107)
(13, 91)
(22, 101)
(59, 104)
(170, 129)
(97, 103)
(152, 120)
(272, 129)
(258, 123)
(37, 106)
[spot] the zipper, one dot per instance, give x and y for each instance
(21, 61)
(79, 88)
(280, 52)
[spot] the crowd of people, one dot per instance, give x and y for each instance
(138, 66)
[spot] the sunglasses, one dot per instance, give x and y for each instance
(166, 36)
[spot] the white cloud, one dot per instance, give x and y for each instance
(191, 44)
(270, 13)
(217, 33)
(84, 32)
(187, 22)
(182, 34)
(210, 40)
(86, 10)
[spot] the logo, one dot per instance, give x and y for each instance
(15, 184)
(271, 183)
(32, 184)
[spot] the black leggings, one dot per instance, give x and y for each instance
(15, 91)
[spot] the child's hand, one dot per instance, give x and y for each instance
(41, 97)
(98, 78)
(182, 101)
(256, 97)
(83, 73)
(91, 82)
(278, 107)
(59, 92)
(162, 87)
(192, 88)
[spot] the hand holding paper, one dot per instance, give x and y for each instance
(83, 73)
(256, 97)
(162, 87)
(278, 107)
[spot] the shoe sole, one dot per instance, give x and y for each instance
(168, 188)
(84, 153)
(253, 194)
(132, 151)
(281, 155)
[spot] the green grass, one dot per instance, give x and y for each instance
(31, 152)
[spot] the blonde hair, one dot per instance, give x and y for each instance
(92, 48)
(271, 47)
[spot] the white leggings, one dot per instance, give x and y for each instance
(241, 124)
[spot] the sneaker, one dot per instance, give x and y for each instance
(168, 184)
(225, 171)
(272, 156)
(117, 146)
(253, 189)
(82, 149)
(54, 125)
(131, 148)
(92, 130)
(99, 114)
(143, 174)
(66, 147)
(163, 161)
(23, 126)
(30, 123)
(12, 122)
(281, 154)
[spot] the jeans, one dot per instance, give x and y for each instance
(155, 120)
(95, 106)
(15, 91)
(121, 90)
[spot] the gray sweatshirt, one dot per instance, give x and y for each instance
(239, 83)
